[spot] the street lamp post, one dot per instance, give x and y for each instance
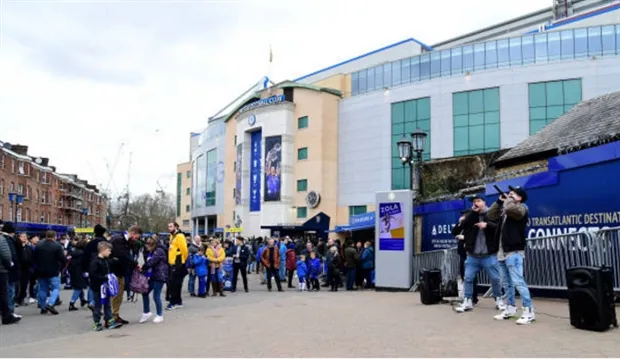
(410, 150)
(16, 200)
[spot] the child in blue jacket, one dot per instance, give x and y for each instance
(201, 265)
(302, 272)
(315, 271)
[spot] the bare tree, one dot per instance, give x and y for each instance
(152, 212)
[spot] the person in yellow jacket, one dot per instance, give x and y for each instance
(216, 256)
(177, 256)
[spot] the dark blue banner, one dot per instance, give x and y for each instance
(255, 170)
(238, 175)
(273, 162)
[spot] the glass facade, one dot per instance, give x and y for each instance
(353, 210)
(537, 48)
(200, 180)
(407, 116)
(550, 100)
(476, 121)
(211, 177)
(179, 177)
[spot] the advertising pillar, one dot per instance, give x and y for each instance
(394, 240)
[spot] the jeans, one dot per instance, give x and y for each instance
(512, 275)
(351, 275)
(45, 286)
(91, 297)
(282, 270)
(107, 309)
(156, 287)
(12, 292)
(368, 277)
(191, 283)
(77, 294)
(202, 285)
(462, 259)
(473, 265)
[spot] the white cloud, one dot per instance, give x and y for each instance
(78, 79)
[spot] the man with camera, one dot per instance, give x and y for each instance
(511, 214)
(482, 246)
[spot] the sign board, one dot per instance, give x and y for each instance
(233, 230)
(262, 103)
(394, 239)
(362, 220)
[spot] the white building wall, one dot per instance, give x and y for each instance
(364, 156)
(274, 120)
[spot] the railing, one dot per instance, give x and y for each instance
(546, 258)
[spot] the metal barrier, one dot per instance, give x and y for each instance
(546, 258)
(609, 244)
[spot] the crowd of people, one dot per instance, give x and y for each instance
(493, 239)
(102, 270)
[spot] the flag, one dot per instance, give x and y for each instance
(270, 54)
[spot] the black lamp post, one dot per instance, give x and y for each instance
(16, 200)
(410, 150)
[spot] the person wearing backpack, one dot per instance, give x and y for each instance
(156, 269)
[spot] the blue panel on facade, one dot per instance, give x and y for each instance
(528, 182)
(255, 170)
(454, 205)
(608, 152)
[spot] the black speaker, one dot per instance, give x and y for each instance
(591, 298)
(430, 286)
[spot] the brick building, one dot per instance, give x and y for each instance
(48, 196)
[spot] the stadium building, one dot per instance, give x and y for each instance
(310, 154)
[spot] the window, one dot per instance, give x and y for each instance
(608, 40)
(491, 54)
(445, 63)
(187, 191)
(12, 165)
(396, 73)
(527, 49)
(302, 212)
(20, 188)
(457, 61)
(186, 223)
(302, 153)
(425, 67)
(476, 121)
(19, 214)
(362, 81)
(188, 174)
(179, 194)
(515, 51)
(235, 140)
(302, 185)
(540, 44)
(211, 177)
(187, 208)
(1, 187)
(379, 77)
(435, 64)
(468, 58)
(595, 47)
(353, 210)
(550, 100)
(405, 73)
(302, 122)
(503, 53)
(354, 85)
(370, 78)
(1, 163)
(21, 170)
(1, 210)
(408, 116)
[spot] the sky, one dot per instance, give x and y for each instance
(110, 90)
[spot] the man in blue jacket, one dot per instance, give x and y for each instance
(240, 254)
(282, 248)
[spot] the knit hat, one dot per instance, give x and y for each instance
(99, 230)
(8, 228)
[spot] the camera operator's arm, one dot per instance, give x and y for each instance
(514, 210)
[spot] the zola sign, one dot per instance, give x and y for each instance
(273, 100)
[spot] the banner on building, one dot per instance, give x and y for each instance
(255, 171)
(273, 162)
(238, 167)
(391, 227)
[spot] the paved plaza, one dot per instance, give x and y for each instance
(293, 324)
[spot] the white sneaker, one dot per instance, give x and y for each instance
(145, 317)
(17, 315)
(509, 312)
(499, 304)
(465, 306)
(32, 301)
(158, 319)
(178, 306)
(527, 316)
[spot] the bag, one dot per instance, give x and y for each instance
(112, 285)
(139, 283)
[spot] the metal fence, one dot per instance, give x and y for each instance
(547, 258)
